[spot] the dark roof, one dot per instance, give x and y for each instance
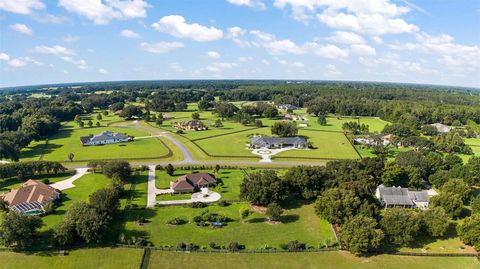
(268, 140)
(395, 195)
(198, 178)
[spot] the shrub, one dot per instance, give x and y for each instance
(233, 246)
(176, 221)
(223, 203)
(158, 167)
(245, 213)
(212, 245)
(197, 205)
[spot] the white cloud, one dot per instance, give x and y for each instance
(282, 46)
(161, 47)
(129, 34)
(249, 3)
(4, 57)
(102, 71)
(25, 7)
(346, 38)
(372, 17)
(102, 12)
(55, 50)
(213, 54)
(327, 51)
(20, 62)
(377, 40)
(265, 62)
(82, 64)
(363, 50)
(21, 28)
(298, 64)
(219, 66)
(70, 38)
(282, 62)
(234, 32)
(176, 25)
(17, 63)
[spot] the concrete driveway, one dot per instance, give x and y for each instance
(196, 197)
(68, 183)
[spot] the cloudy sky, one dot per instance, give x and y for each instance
(419, 41)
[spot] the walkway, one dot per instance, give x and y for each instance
(68, 183)
(152, 190)
(196, 197)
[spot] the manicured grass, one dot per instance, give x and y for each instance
(96, 258)
(299, 223)
(139, 197)
(68, 140)
(177, 196)
(335, 123)
(327, 145)
(84, 186)
(324, 260)
(14, 183)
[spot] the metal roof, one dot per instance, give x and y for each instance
(25, 207)
(268, 140)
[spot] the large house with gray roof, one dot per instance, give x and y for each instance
(398, 197)
(104, 138)
(278, 142)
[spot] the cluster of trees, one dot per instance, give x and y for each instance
(355, 128)
(284, 128)
(343, 192)
(24, 170)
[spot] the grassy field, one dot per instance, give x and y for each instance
(334, 260)
(68, 140)
(299, 223)
(97, 258)
(84, 186)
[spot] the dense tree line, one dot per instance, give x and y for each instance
(23, 170)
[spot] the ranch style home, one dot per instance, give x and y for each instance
(295, 117)
(441, 128)
(397, 197)
(193, 125)
(105, 137)
(278, 142)
(287, 107)
(30, 198)
(193, 182)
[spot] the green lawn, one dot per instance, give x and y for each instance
(96, 258)
(335, 124)
(326, 260)
(139, 197)
(299, 223)
(84, 186)
(177, 196)
(68, 140)
(327, 145)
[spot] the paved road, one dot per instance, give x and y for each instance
(151, 195)
(187, 156)
(68, 183)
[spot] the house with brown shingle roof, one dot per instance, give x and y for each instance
(31, 197)
(193, 182)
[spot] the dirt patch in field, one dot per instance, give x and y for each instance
(258, 209)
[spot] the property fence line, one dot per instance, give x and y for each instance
(353, 145)
(218, 135)
(145, 258)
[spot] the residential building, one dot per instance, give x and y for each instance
(375, 140)
(398, 197)
(278, 142)
(104, 138)
(287, 107)
(193, 182)
(442, 128)
(193, 125)
(31, 197)
(295, 117)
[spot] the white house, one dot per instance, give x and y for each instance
(105, 137)
(441, 128)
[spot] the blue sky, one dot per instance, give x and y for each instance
(423, 41)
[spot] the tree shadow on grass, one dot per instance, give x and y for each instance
(289, 218)
(8, 184)
(257, 220)
(292, 203)
(38, 150)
